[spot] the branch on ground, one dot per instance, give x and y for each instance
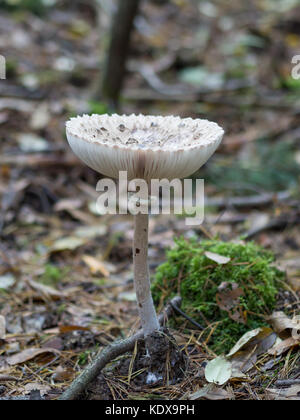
(111, 352)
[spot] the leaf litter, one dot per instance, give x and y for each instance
(49, 218)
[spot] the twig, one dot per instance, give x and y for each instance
(180, 312)
(8, 378)
(249, 201)
(279, 223)
(39, 160)
(287, 382)
(149, 73)
(111, 352)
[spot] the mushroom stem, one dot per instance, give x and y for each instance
(141, 275)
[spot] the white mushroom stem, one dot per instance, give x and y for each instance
(141, 275)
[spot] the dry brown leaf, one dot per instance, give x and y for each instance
(44, 389)
(283, 325)
(280, 321)
(63, 374)
(55, 343)
(69, 328)
(291, 393)
(243, 360)
(284, 346)
(244, 354)
(228, 299)
(218, 394)
(28, 354)
(295, 283)
(48, 291)
(95, 265)
(211, 392)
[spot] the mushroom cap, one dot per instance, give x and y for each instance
(147, 147)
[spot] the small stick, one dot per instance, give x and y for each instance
(180, 312)
(7, 378)
(287, 382)
(280, 222)
(111, 352)
(39, 160)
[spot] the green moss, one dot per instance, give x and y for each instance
(197, 278)
(38, 7)
(98, 107)
(53, 274)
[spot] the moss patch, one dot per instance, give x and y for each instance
(189, 272)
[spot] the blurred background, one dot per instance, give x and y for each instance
(230, 62)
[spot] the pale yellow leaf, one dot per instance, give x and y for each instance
(220, 259)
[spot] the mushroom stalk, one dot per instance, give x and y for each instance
(147, 311)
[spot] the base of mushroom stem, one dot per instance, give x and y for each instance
(165, 364)
(165, 361)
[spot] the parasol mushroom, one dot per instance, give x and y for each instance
(146, 147)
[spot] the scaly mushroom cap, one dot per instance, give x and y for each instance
(147, 147)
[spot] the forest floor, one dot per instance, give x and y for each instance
(66, 287)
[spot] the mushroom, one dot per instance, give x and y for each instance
(147, 147)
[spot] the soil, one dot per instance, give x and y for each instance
(164, 364)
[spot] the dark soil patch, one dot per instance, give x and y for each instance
(165, 365)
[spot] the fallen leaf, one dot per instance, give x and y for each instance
(284, 346)
(295, 283)
(2, 327)
(95, 265)
(211, 392)
(28, 354)
(70, 243)
(32, 143)
(244, 340)
(12, 348)
(218, 370)
(46, 290)
(44, 389)
(55, 343)
(91, 232)
(68, 204)
(257, 220)
(283, 325)
(7, 281)
(228, 299)
(63, 374)
(69, 328)
(291, 393)
(244, 354)
(40, 117)
(128, 296)
(220, 259)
